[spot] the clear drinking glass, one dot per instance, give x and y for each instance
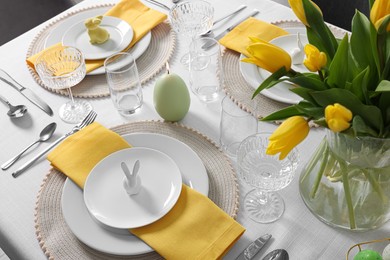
(235, 126)
(191, 18)
(124, 84)
(63, 68)
(268, 174)
(206, 71)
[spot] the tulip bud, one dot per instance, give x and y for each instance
(337, 117)
(315, 60)
(379, 11)
(267, 56)
(288, 135)
(297, 7)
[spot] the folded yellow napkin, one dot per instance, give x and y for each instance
(238, 38)
(141, 18)
(195, 228)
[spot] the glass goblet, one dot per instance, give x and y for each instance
(62, 68)
(191, 19)
(268, 174)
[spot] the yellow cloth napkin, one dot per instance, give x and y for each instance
(141, 18)
(238, 38)
(195, 228)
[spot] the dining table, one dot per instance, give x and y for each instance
(298, 231)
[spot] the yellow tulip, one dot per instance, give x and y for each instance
(337, 117)
(267, 56)
(315, 60)
(297, 7)
(288, 135)
(379, 11)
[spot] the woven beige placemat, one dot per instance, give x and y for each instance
(150, 63)
(241, 92)
(58, 242)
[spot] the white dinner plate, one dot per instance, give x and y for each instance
(120, 32)
(120, 241)
(56, 34)
(254, 75)
(108, 201)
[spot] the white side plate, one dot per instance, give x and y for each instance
(120, 32)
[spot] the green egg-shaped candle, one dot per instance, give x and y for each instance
(367, 255)
(171, 97)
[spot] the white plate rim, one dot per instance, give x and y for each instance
(126, 35)
(250, 73)
(168, 173)
(57, 32)
(120, 242)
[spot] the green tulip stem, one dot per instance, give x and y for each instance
(313, 161)
(321, 75)
(317, 180)
(375, 185)
(348, 197)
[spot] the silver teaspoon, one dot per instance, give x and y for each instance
(277, 254)
(45, 135)
(14, 111)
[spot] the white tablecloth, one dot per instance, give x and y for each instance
(298, 231)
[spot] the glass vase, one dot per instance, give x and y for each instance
(346, 183)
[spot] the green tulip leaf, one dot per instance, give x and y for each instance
(308, 82)
(310, 110)
(283, 114)
(383, 27)
(360, 41)
(384, 86)
(316, 21)
(272, 80)
(370, 114)
(384, 105)
(338, 70)
(359, 86)
(360, 128)
(304, 93)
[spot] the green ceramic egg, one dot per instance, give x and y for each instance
(171, 97)
(367, 255)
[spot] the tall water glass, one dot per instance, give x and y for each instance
(235, 126)
(191, 19)
(206, 71)
(124, 84)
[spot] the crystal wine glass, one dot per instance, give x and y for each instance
(63, 68)
(192, 19)
(268, 174)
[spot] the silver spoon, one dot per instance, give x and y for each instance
(277, 254)
(45, 135)
(14, 111)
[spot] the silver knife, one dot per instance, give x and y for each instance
(253, 13)
(27, 93)
(253, 248)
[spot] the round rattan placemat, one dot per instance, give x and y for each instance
(150, 63)
(58, 242)
(241, 92)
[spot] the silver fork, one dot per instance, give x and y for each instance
(86, 121)
(159, 4)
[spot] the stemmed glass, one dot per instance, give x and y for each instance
(268, 174)
(191, 18)
(63, 68)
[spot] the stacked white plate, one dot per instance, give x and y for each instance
(103, 225)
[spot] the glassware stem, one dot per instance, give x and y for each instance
(71, 97)
(264, 207)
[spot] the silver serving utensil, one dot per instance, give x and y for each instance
(14, 111)
(45, 135)
(86, 121)
(277, 254)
